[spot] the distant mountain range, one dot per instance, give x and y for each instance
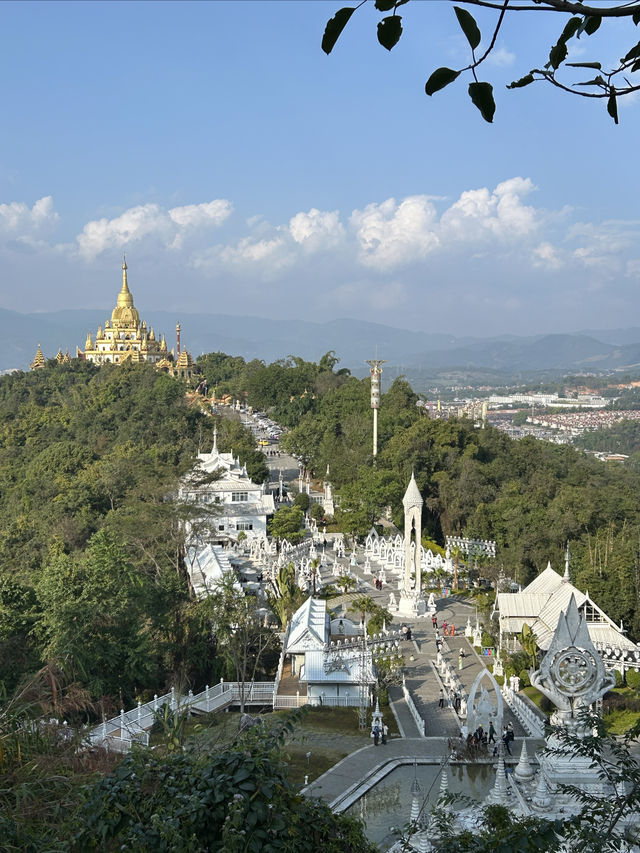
(353, 340)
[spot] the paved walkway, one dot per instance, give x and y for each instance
(342, 784)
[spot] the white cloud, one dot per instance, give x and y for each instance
(501, 57)
(546, 255)
(18, 219)
(481, 213)
(316, 229)
(150, 220)
(391, 235)
(210, 213)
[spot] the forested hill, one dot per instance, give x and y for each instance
(92, 580)
(91, 576)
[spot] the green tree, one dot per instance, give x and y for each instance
(287, 523)
(234, 800)
(246, 644)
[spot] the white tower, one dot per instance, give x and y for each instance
(412, 502)
(412, 604)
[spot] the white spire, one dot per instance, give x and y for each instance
(524, 771)
(215, 439)
(416, 791)
(412, 496)
(499, 792)
(566, 577)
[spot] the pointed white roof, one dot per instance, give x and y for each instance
(540, 604)
(309, 627)
(412, 496)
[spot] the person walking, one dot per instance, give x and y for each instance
(461, 659)
(385, 733)
(441, 702)
(444, 628)
(505, 740)
(452, 630)
(376, 734)
(492, 733)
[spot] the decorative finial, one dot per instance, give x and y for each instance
(124, 260)
(566, 564)
(215, 439)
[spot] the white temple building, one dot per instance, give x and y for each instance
(329, 672)
(540, 604)
(244, 505)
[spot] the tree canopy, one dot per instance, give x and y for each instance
(605, 79)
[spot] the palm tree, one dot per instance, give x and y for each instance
(529, 644)
(346, 582)
(364, 605)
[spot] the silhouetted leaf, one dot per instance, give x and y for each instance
(612, 107)
(469, 27)
(591, 24)
(595, 65)
(558, 54)
(633, 53)
(482, 96)
(334, 27)
(389, 31)
(523, 81)
(440, 78)
(636, 18)
(571, 28)
(384, 5)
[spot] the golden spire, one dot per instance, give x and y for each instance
(38, 361)
(125, 299)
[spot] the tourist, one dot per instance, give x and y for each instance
(492, 733)
(433, 622)
(408, 635)
(404, 631)
(441, 702)
(376, 734)
(458, 702)
(461, 659)
(510, 733)
(505, 740)
(385, 733)
(452, 630)
(444, 628)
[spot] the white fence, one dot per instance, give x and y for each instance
(532, 721)
(298, 701)
(414, 711)
(133, 726)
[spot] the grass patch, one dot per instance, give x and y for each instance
(620, 721)
(539, 700)
(320, 760)
(343, 721)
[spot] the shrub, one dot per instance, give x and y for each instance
(619, 678)
(302, 501)
(633, 679)
(525, 681)
(488, 639)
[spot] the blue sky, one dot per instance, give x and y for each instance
(245, 172)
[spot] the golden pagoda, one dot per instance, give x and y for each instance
(125, 338)
(38, 361)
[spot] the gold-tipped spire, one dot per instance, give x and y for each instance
(125, 299)
(38, 361)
